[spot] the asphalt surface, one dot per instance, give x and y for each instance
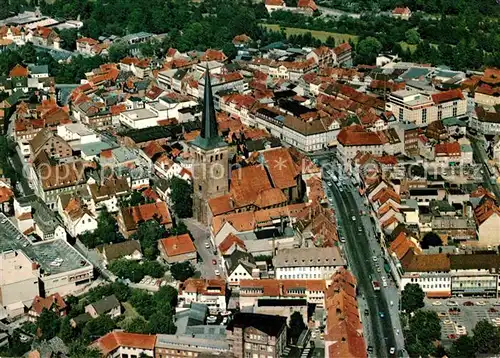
(380, 331)
(481, 157)
(201, 236)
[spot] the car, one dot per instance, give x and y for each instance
(468, 303)
(329, 184)
(436, 303)
(214, 262)
(366, 312)
(224, 320)
(374, 258)
(340, 189)
(392, 350)
(313, 335)
(379, 270)
(384, 283)
(217, 273)
(207, 245)
(369, 349)
(381, 314)
(492, 310)
(452, 336)
(452, 303)
(496, 303)
(353, 218)
(480, 303)
(360, 229)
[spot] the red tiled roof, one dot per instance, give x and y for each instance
(279, 288)
(281, 168)
(343, 47)
(355, 136)
(55, 300)
(87, 40)
(485, 210)
(401, 11)
(447, 96)
(447, 149)
(5, 194)
(18, 71)
(307, 4)
(134, 215)
(213, 55)
(275, 2)
(412, 262)
(229, 241)
(212, 287)
(114, 340)
(178, 245)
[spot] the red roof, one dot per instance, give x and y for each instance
(275, 2)
(447, 149)
(114, 340)
(5, 194)
(213, 55)
(343, 47)
(355, 136)
(401, 11)
(447, 96)
(229, 241)
(307, 4)
(178, 245)
(53, 301)
(18, 71)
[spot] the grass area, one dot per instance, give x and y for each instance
(406, 46)
(129, 310)
(320, 35)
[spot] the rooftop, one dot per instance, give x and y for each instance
(312, 256)
(54, 256)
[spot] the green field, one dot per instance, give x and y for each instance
(320, 35)
(406, 46)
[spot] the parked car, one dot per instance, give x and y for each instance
(381, 314)
(480, 303)
(217, 273)
(392, 350)
(468, 303)
(452, 303)
(214, 262)
(366, 312)
(436, 303)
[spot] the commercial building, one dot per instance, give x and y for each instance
(209, 292)
(308, 263)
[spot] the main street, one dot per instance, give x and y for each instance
(481, 157)
(382, 332)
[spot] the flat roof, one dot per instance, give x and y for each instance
(94, 148)
(139, 114)
(78, 128)
(45, 253)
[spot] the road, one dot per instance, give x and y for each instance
(382, 333)
(201, 236)
(481, 157)
(327, 11)
(18, 165)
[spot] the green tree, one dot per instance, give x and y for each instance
(412, 36)
(412, 298)
(463, 347)
(117, 52)
(17, 348)
(68, 38)
(181, 196)
(98, 327)
(330, 41)
(148, 234)
(80, 350)
(106, 232)
(28, 53)
(161, 323)
(297, 326)
(143, 302)
(153, 269)
(431, 239)
(166, 295)
(424, 330)
(486, 338)
(181, 271)
(127, 269)
(137, 325)
(66, 332)
(47, 324)
(367, 50)
(179, 229)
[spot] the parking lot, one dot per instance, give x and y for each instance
(459, 316)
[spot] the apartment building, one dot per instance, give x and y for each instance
(256, 335)
(210, 292)
(421, 109)
(307, 263)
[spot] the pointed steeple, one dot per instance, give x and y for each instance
(208, 120)
(209, 136)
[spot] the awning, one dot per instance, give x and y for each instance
(438, 294)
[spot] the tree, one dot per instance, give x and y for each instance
(68, 38)
(47, 324)
(412, 36)
(463, 347)
(148, 234)
(424, 330)
(367, 50)
(431, 239)
(66, 332)
(330, 41)
(486, 338)
(160, 322)
(126, 269)
(297, 326)
(81, 350)
(98, 327)
(137, 325)
(181, 197)
(105, 233)
(412, 298)
(17, 348)
(117, 52)
(28, 53)
(179, 229)
(181, 271)
(153, 269)
(166, 295)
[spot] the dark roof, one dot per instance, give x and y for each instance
(274, 302)
(475, 262)
(270, 325)
(423, 191)
(82, 318)
(209, 137)
(240, 257)
(160, 132)
(121, 249)
(106, 304)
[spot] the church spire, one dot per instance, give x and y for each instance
(209, 136)
(208, 120)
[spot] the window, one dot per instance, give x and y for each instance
(401, 112)
(424, 115)
(454, 111)
(440, 115)
(199, 187)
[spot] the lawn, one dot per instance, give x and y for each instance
(129, 310)
(406, 46)
(320, 35)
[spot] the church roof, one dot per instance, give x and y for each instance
(209, 136)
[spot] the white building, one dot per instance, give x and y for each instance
(210, 292)
(118, 344)
(307, 263)
(77, 132)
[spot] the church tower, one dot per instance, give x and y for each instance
(210, 169)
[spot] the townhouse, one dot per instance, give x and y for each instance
(129, 218)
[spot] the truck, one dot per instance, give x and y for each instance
(376, 285)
